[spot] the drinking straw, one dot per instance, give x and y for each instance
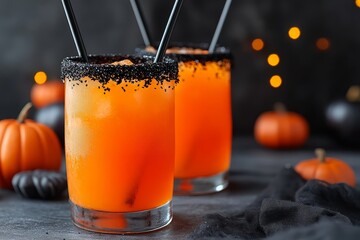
(168, 30)
(219, 26)
(140, 21)
(75, 31)
(131, 197)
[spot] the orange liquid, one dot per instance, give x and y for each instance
(119, 145)
(203, 123)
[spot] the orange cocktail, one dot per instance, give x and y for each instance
(119, 131)
(203, 121)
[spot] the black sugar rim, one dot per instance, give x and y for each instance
(100, 69)
(220, 53)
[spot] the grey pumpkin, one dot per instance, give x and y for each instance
(39, 184)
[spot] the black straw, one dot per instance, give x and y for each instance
(75, 31)
(219, 26)
(168, 30)
(140, 21)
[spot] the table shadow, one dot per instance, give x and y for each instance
(245, 182)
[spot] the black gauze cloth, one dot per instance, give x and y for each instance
(322, 230)
(288, 202)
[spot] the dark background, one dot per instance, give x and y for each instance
(34, 36)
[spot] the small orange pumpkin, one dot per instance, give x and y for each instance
(26, 145)
(327, 169)
(47, 93)
(281, 128)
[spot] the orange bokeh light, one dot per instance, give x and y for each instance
(273, 59)
(40, 77)
(257, 44)
(275, 81)
(294, 33)
(323, 44)
(357, 3)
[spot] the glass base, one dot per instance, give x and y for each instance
(201, 185)
(119, 222)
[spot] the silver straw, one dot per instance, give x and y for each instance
(140, 21)
(219, 26)
(168, 30)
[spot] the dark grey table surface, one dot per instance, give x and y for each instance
(251, 170)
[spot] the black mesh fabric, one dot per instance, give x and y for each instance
(287, 203)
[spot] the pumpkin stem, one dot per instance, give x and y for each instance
(320, 154)
(279, 107)
(353, 94)
(24, 112)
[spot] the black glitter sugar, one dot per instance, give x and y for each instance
(100, 69)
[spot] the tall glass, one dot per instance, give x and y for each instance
(119, 142)
(203, 120)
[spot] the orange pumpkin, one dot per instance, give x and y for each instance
(26, 145)
(281, 128)
(327, 169)
(47, 93)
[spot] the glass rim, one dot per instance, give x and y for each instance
(220, 53)
(100, 68)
